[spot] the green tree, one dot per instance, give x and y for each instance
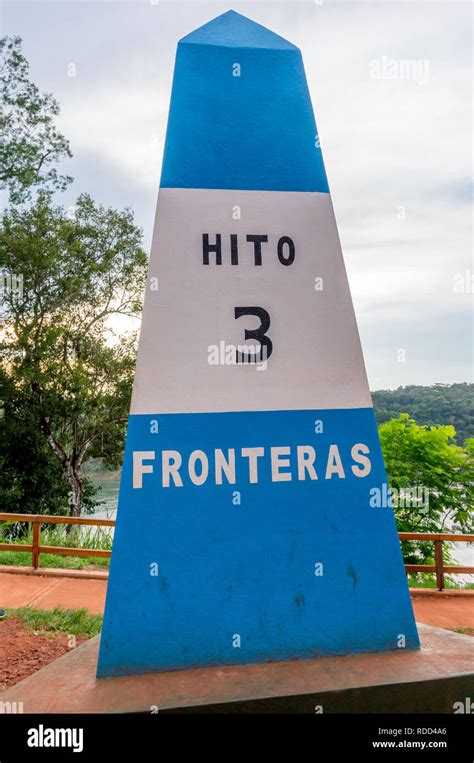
(438, 404)
(67, 369)
(427, 462)
(30, 144)
(31, 481)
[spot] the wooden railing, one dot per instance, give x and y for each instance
(438, 567)
(38, 519)
(36, 548)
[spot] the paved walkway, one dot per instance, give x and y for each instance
(445, 609)
(449, 609)
(47, 592)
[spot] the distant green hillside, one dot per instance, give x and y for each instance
(437, 404)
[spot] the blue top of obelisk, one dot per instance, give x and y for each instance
(231, 29)
(240, 114)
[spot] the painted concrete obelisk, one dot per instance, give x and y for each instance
(245, 531)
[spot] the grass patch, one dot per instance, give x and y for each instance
(73, 622)
(22, 559)
(428, 580)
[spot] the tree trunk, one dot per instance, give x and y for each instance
(76, 496)
(72, 471)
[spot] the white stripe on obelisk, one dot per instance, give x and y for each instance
(316, 361)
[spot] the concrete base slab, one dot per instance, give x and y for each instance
(429, 680)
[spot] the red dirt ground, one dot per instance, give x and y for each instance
(23, 652)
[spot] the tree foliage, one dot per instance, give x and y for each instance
(30, 144)
(68, 374)
(438, 404)
(426, 460)
(31, 480)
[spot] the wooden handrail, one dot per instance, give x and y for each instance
(35, 549)
(438, 567)
(55, 520)
(435, 536)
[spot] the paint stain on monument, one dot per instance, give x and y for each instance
(246, 484)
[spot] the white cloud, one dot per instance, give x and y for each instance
(121, 126)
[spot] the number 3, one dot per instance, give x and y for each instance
(259, 334)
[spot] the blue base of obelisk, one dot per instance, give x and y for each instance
(275, 569)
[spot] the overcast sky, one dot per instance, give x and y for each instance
(391, 87)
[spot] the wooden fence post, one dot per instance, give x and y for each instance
(439, 564)
(36, 543)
